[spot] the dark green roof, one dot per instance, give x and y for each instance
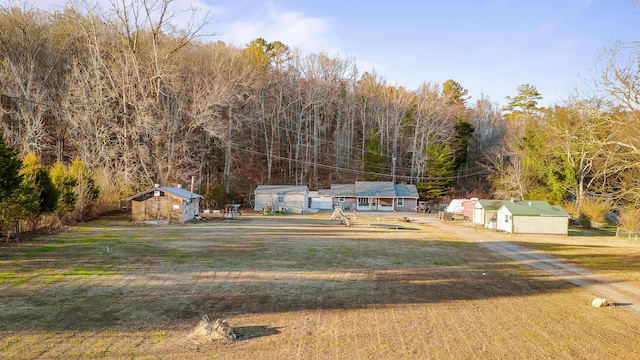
(492, 204)
(534, 208)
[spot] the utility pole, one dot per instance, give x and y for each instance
(393, 170)
(227, 162)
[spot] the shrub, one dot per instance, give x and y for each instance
(596, 210)
(571, 208)
(630, 220)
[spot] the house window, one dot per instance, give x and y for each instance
(341, 199)
(363, 201)
(506, 217)
(280, 199)
(400, 202)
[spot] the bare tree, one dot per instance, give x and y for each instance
(618, 87)
(431, 122)
(32, 64)
(489, 127)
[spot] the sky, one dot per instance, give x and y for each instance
(490, 47)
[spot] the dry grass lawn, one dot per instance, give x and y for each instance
(305, 287)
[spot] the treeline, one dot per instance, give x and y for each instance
(29, 192)
(138, 99)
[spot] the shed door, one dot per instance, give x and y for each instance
(153, 209)
(477, 216)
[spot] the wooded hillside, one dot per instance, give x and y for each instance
(139, 100)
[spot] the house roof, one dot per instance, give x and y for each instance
(281, 189)
(384, 189)
(379, 189)
(406, 191)
(338, 190)
(175, 191)
(534, 208)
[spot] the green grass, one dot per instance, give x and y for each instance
(42, 250)
(63, 273)
(584, 231)
(340, 249)
(98, 270)
(445, 263)
(63, 292)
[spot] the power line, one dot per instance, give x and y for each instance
(361, 172)
(301, 162)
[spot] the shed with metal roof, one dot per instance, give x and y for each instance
(532, 217)
(164, 204)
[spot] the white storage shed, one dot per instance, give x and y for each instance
(282, 197)
(485, 210)
(532, 217)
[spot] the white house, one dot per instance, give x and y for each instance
(532, 217)
(282, 197)
(342, 195)
(373, 196)
(406, 197)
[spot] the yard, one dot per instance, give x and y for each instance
(305, 287)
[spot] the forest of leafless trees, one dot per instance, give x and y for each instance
(141, 101)
(139, 98)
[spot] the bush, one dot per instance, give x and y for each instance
(571, 208)
(596, 210)
(630, 220)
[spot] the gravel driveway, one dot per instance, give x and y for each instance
(616, 293)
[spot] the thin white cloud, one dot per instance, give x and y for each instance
(294, 29)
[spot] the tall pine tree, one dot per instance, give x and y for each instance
(372, 157)
(439, 168)
(10, 165)
(10, 182)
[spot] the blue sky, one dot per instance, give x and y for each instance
(489, 46)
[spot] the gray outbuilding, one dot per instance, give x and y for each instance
(282, 197)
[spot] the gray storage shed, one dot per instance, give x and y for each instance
(288, 197)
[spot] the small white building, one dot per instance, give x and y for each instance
(486, 210)
(320, 201)
(282, 197)
(532, 217)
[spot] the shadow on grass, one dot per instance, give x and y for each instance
(155, 276)
(621, 304)
(252, 332)
(392, 227)
(589, 232)
(597, 257)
